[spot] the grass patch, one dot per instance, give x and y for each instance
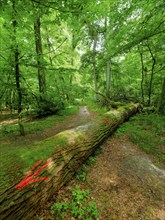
(148, 131)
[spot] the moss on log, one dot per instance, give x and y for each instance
(65, 152)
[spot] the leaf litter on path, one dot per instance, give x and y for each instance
(126, 184)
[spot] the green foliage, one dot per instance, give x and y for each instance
(91, 160)
(67, 55)
(58, 210)
(81, 174)
(146, 130)
(80, 206)
(7, 130)
(98, 151)
(38, 218)
(47, 106)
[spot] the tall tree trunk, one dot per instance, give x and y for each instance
(38, 43)
(152, 75)
(74, 44)
(108, 72)
(49, 46)
(23, 193)
(16, 66)
(17, 78)
(16, 58)
(11, 101)
(142, 81)
(94, 36)
(162, 99)
(94, 63)
(142, 75)
(108, 78)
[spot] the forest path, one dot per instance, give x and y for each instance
(82, 117)
(8, 122)
(124, 182)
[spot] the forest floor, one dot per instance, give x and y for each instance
(124, 181)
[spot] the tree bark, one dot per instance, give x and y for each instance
(38, 43)
(49, 47)
(64, 160)
(94, 62)
(142, 75)
(162, 99)
(108, 79)
(152, 75)
(16, 59)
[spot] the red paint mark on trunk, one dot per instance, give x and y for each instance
(106, 121)
(31, 176)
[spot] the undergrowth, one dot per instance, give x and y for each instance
(81, 173)
(148, 131)
(80, 205)
(77, 203)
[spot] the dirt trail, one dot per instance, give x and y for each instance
(9, 122)
(81, 118)
(126, 184)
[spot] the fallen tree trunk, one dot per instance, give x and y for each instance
(22, 192)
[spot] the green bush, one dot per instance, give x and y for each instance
(47, 107)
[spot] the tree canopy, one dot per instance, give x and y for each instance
(55, 53)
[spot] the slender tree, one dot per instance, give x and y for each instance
(39, 51)
(162, 99)
(152, 75)
(95, 75)
(142, 74)
(16, 66)
(16, 56)
(108, 78)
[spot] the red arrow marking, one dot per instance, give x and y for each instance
(30, 178)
